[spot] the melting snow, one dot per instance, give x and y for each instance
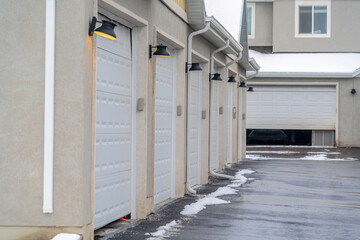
(211, 199)
(67, 236)
(161, 231)
(273, 152)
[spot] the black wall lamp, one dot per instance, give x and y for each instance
(251, 89)
(160, 51)
(242, 85)
(216, 76)
(353, 91)
(231, 80)
(194, 67)
(105, 30)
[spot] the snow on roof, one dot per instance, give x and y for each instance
(329, 65)
(228, 13)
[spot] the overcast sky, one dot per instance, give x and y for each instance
(227, 12)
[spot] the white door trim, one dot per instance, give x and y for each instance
(133, 152)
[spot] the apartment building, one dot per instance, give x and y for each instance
(93, 129)
(309, 78)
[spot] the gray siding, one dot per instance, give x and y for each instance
(263, 25)
(345, 29)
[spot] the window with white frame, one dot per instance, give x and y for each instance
(312, 18)
(250, 19)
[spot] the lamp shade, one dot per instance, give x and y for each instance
(161, 51)
(217, 77)
(251, 89)
(106, 30)
(195, 67)
(231, 80)
(242, 85)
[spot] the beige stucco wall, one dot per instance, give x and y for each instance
(345, 29)
(22, 114)
(348, 107)
(263, 25)
(22, 103)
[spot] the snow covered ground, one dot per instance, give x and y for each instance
(210, 199)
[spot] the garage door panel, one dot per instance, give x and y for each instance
(114, 73)
(112, 154)
(113, 113)
(108, 188)
(164, 126)
(121, 46)
(292, 107)
(113, 141)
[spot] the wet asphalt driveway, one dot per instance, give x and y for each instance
(297, 193)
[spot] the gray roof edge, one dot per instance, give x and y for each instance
(308, 74)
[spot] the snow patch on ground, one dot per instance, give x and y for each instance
(67, 236)
(329, 153)
(211, 199)
(201, 204)
(161, 231)
(273, 152)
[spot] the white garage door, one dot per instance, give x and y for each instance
(214, 124)
(292, 107)
(194, 127)
(114, 111)
(164, 126)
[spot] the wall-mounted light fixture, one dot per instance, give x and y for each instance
(242, 85)
(353, 91)
(251, 89)
(105, 30)
(194, 67)
(160, 51)
(216, 76)
(232, 80)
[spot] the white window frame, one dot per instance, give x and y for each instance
(253, 10)
(312, 3)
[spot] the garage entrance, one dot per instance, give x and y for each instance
(165, 103)
(194, 127)
(114, 124)
(292, 114)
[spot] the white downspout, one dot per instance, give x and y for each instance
(49, 106)
(212, 173)
(227, 164)
(189, 61)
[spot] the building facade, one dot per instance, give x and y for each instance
(94, 129)
(309, 74)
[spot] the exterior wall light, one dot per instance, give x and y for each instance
(231, 80)
(251, 89)
(242, 85)
(194, 67)
(160, 51)
(215, 77)
(353, 91)
(105, 30)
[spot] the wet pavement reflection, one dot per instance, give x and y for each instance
(292, 197)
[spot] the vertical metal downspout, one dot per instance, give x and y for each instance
(212, 173)
(49, 107)
(189, 61)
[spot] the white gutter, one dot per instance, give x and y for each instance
(227, 164)
(189, 53)
(189, 62)
(49, 106)
(213, 55)
(212, 173)
(255, 66)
